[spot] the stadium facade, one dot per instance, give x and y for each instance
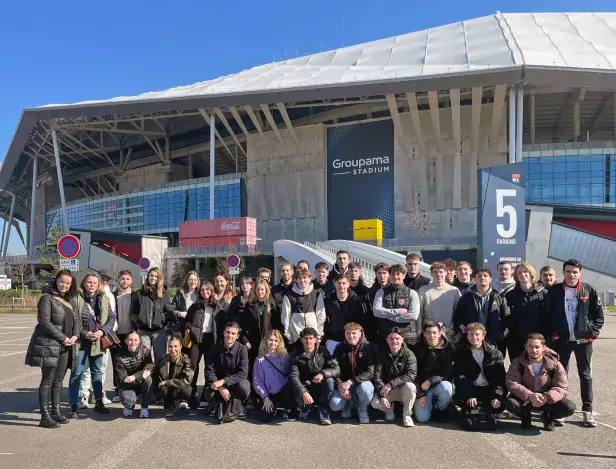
(393, 129)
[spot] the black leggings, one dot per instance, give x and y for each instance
(53, 377)
(175, 396)
(195, 354)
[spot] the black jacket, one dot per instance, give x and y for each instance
(462, 286)
(589, 314)
(466, 371)
(325, 289)
(528, 315)
(335, 272)
(356, 362)
(194, 319)
(254, 324)
(363, 292)
(132, 363)
(417, 282)
(394, 370)
(150, 313)
(338, 314)
(46, 342)
(278, 293)
(228, 364)
(236, 308)
(496, 321)
(180, 377)
(222, 315)
(434, 364)
(305, 366)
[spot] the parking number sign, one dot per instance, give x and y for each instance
(501, 219)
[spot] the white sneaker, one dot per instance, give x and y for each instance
(144, 414)
(589, 419)
(83, 401)
(559, 422)
(407, 421)
(183, 406)
(127, 413)
(106, 400)
(390, 415)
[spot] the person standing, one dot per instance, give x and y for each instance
(123, 300)
(341, 267)
(237, 307)
(51, 346)
(283, 288)
(505, 281)
(97, 321)
(527, 305)
(413, 279)
(394, 376)
(223, 295)
(183, 300)
(341, 307)
(438, 300)
(371, 328)
(463, 280)
(321, 282)
(361, 290)
(484, 305)
(263, 273)
(548, 276)
(135, 368)
(576, 316)
(201, 331)
(150, 310)
(451, 267)
(397, 305)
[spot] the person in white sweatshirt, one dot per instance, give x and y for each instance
(303, 307)
(438, 300)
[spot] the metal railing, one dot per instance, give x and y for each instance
(330, 252)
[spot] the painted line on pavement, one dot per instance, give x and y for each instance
(516, 453)
(15, 327)
(126, 448)
(600, 423)
(14, 353)
(6, 333)
(19, 378)
(15, 340)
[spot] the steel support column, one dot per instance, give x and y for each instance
(8, 233)
(3, 232)
(519, 126)
(512, 100)
(56, 151)
(212, 162)
(33, 207)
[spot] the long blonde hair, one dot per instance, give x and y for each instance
(253, 293)
(531, 271)
(280, 350)
(185, 285)
(159, 282)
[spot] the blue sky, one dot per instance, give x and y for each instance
(68, 51)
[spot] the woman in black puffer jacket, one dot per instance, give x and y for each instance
(51, 344)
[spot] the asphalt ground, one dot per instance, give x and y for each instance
(110, 441)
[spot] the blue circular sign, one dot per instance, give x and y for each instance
(233, 260)
(144, 263)
(69, 247)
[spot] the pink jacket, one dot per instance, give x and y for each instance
(553, 383)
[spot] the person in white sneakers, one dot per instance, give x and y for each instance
(394, 376)
(134, 368)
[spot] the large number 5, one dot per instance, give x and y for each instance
(502, 210)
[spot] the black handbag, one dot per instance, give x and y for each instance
(478, 420)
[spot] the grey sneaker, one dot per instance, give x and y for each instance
(559, 422)
(347, 413)
(390, 415)
(589, 419)
(116, 398)
(364, 418)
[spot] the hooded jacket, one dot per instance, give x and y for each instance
(394, 370)
(467, 370)
(553, 383)
(503, 286)
(48, 336)
(148, 312)
(496, 317)
(305, 366)
(335, 272)
(356, 362)
(434, 364)
(339, 313)
(302, 309)
(589, 314)
(528, 314)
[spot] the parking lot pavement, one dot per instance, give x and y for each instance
(110, 441)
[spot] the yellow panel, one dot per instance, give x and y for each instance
(368, 230)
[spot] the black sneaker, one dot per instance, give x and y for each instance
(170, 411)
(100, 408)
(291, 415)
(74, 414)
(548, 422)
(219, 413)
(527, 421)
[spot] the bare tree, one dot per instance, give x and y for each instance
(418, 221)
(23, 274)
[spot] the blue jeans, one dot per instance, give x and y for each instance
(442, 392)
(82, 362)
(360, 393)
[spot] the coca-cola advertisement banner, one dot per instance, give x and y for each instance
(222, 227)
(360, 177)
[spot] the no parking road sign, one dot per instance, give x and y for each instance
(144, 263)
(233, 261)
(69, 247)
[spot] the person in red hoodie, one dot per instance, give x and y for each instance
(537, 382)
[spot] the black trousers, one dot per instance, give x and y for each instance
(583, 357)
(558, 410)
(175, 396)
(195, 354)
(484, 396)
(129, 393)
(239, 391)
(283, 399)
(320, 392)
(52, 378)
(115, 351)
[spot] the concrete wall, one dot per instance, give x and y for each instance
(144, 177)
(155, 249)
(539, 233)
(285, 185)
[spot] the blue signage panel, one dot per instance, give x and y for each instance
(501, 216)
(360, 177)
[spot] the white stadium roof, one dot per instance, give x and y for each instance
(490, 43)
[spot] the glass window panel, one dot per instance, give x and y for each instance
(560, 159)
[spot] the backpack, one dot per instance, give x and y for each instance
(478, 420)
(231, 410)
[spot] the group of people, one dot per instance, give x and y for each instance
(330, 342)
